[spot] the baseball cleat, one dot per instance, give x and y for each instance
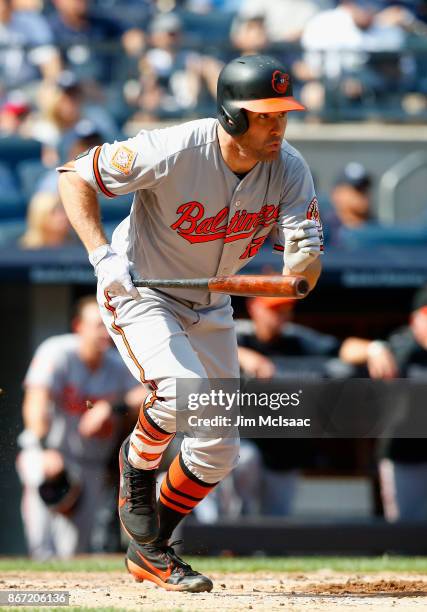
(137, 499)
(159, 563)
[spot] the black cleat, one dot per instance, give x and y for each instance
(137, 499)
(158, 563)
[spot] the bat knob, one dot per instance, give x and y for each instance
(302, 287)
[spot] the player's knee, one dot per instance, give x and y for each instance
(182, 393)
(233, 452)
(212, 459)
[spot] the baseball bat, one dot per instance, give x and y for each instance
(234, 284)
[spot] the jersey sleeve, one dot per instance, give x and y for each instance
(46, 368)
(125, 166)
(298, 201)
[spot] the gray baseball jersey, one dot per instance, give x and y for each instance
(192, 216)
(56, 365)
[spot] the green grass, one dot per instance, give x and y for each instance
(231, 564)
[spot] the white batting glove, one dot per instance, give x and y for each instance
(302, 246)
(112, 271)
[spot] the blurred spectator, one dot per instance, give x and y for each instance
(173, 80)
(62, 106)
(13, 114)
(79, 34)
(60, 109)
(338, 43)
(47, 223)
(249, 35)
(284, 19)
(351, 199)
(84, 136)
(403, 463)
(67, 443)
(27, 51)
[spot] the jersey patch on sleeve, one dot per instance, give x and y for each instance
(123, 160)
(314, 214)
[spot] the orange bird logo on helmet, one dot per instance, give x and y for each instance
(280, 82)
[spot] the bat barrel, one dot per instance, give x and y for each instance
(247, 285)
(260, 285)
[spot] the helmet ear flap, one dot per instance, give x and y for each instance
(234, 121)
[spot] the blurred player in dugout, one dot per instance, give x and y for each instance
(77, 392)
(402, 461)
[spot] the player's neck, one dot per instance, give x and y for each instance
(235, 158)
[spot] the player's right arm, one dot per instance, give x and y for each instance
(111, 169)
(82, 207)
(35, 411)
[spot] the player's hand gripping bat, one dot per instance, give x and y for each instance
(234, 284)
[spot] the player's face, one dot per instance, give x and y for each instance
(263, 139)
(92, 330)
(268, 321)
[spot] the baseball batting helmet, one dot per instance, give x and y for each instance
(258, 83)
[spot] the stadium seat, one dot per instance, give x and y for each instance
(14, 149)
(8, 181)
(12, 206)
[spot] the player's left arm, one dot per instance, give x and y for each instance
(300, 232)
(311, 273)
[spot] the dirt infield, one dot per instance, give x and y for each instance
(322, 590)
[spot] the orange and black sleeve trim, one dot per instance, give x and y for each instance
(97, 174)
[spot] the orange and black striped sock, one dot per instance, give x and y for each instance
(148, 441)
(180, 492)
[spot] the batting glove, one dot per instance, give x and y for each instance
(302, 246)
(112, 271)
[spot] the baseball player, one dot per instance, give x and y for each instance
(206, 195)
(66, 447)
